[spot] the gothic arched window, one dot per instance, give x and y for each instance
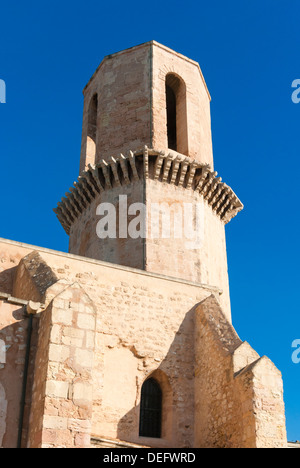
(176, 114)
(92, 130)
(151, 409)
(171, 118)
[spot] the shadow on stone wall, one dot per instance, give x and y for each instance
(11, 376)
(175, 374)
(7, 280)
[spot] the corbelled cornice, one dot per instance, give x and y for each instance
(171, 168)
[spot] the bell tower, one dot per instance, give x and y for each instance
(147, 195)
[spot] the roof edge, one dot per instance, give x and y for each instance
(214, 289)
(149, 44)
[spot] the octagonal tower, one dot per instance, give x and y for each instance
(147, 195)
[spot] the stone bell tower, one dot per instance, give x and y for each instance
(146, 139)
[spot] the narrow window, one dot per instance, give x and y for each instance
(151, 408)
(171, 118)
(176, 114)
(92, 130)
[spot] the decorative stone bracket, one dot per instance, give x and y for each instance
(172, 168)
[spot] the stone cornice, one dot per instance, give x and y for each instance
(170, 168)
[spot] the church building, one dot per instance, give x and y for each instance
(127, 340)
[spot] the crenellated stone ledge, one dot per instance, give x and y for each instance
(171, 168)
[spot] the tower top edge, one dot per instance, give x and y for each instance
(145, 45)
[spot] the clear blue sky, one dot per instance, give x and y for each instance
(249, 55)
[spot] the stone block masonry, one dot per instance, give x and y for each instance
(106, 328)
(155, 177)
(62, 390)
(125, 315)
(238, 395)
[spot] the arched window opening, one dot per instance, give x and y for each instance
(151, 409)
(171, 118)
(92, 130)
(176, 114)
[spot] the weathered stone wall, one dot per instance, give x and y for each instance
(8, 267)
(13, 339)
(122, 83)
(144, 325)
(200, 257)
(197, 103)
(203, 259)
(131, 113)
(14, 329)
(84, 239)
(32, 278)
(238, 395)
(106, 328)
(62, 391)
(261, 395)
